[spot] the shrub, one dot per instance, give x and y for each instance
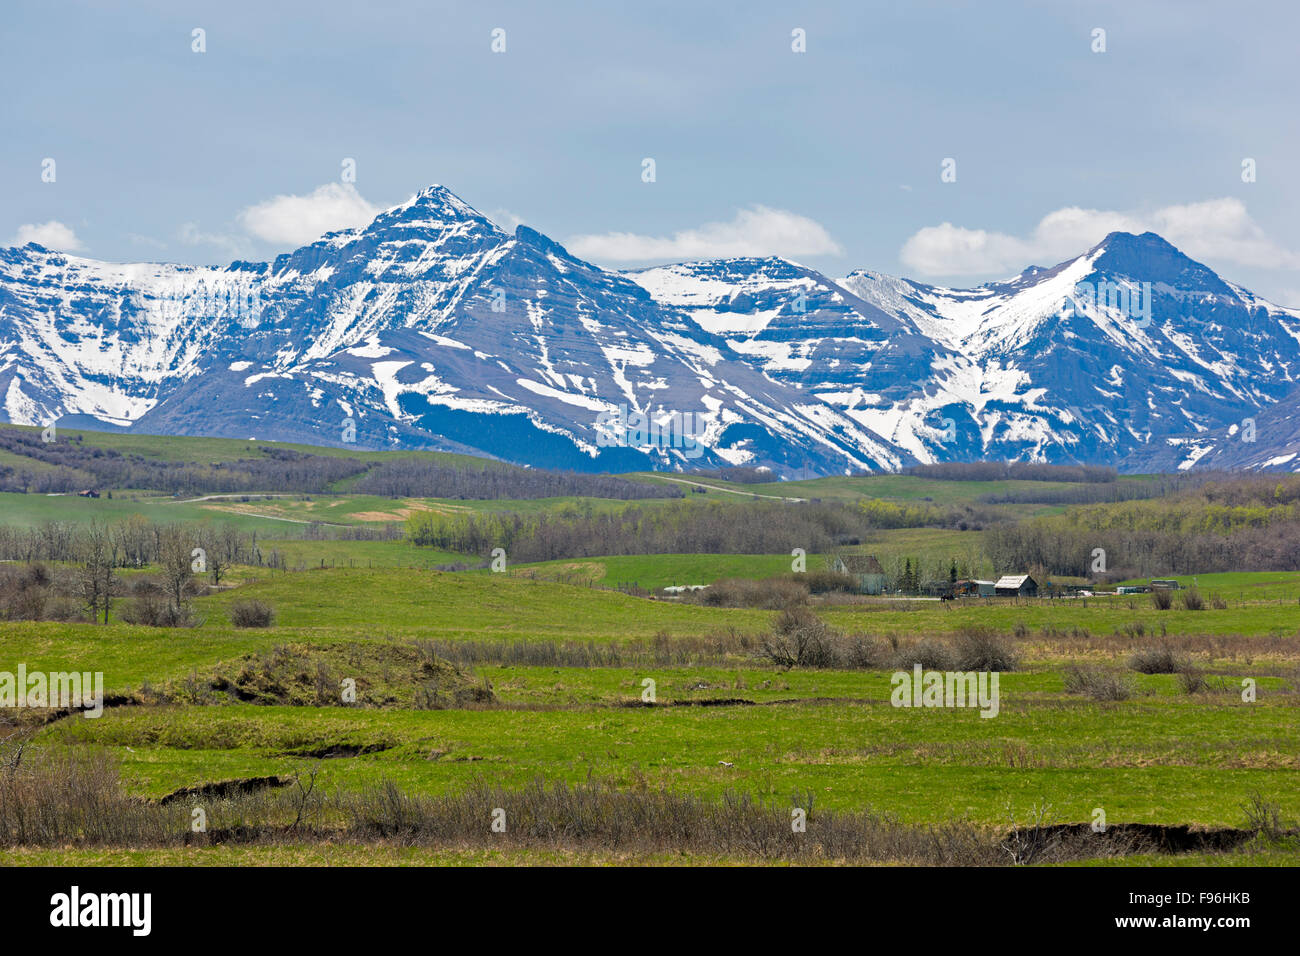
(983, 649)
(1097, 684)
(1264, 819)
(771, 594)
(1162, 600)
(1219, 604)
(799, 638)
(32, 592)
(823, 582)
(251, 613)
(151, 609)
(1156, 660)
(1192, 600)
(930, 654)
(1191, 680)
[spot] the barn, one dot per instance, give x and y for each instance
(864, 568)
(1016, 585)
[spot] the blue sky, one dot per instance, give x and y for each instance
(831, 157)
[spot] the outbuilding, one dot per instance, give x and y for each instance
(863, 568)
(1016, 585)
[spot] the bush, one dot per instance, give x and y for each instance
(799, 638)
(864, 653)
(1097, 684)
(32, 592)
(930, 654)
(1156, 660)
(1191, 680)
(251, 613)
(1162, 600)
(983, 649)
(823, 582)
(151, 609)
(771, 594)
(1192, 600)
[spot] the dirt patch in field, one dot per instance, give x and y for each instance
(334, 751)
(225, 788)
(27, 720)
(1079, 840)
(700, 702)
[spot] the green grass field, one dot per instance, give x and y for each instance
(1160, 757)
(726, 719)
(1157, 760)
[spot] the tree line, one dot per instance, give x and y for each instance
(86, 581)
(1244, 523)
(419, 478)
(672, 528)
(70, 465)
(1012, 470)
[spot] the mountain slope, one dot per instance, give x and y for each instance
(1065, 372)
(430, 327)
(433, 328)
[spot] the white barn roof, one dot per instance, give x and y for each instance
(1012, 580)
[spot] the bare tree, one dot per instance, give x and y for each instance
(175, 559)
(98, 571)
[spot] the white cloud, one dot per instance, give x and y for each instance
(759, 231)
(235, 247)
(298, 220)
(52, 235)
(1216, 229)
(149, 241)
(506, 219)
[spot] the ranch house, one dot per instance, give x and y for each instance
(864, 568)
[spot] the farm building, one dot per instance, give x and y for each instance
(88, 493)
(1158, 584)
(1016, 585)
(973, 587)
(864, 568)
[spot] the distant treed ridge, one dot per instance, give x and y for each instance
(65, 466)
(414, 478)
(678, 528)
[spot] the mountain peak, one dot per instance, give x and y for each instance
(1147, 242)
(1152, 257)
(435, 213)
(435, 199)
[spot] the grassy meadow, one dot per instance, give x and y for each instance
(581, 673)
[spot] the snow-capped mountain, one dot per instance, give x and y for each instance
(432, 327)
(1112, 357)
(1105, 358)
